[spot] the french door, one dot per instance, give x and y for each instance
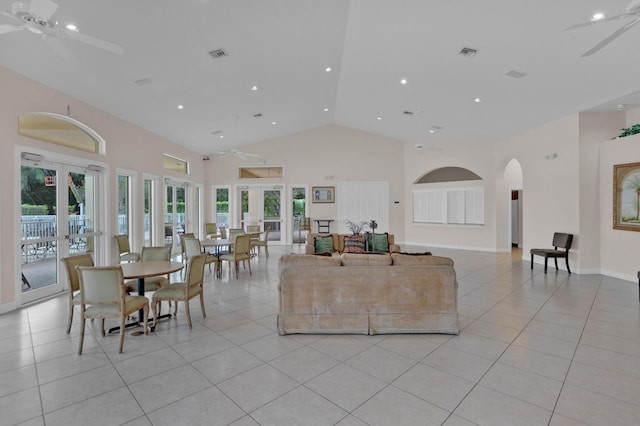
(58, 219)
(175, 217)
(263, 206)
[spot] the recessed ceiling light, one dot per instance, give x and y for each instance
(379, 118)
(432, 131)
(254, 88)
(221, 136)
(326, 109)
(477, 100)
(403, 81)
(598, 16)
(274, 123)
(328, 69)
(180, 106)
(72, 27)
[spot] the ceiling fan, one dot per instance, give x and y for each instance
(37, 16)
(633, 11)
(236, 153)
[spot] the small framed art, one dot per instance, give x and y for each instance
(626, 192)
(323, 194)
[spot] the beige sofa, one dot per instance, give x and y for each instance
(367, 294)
(338, 243)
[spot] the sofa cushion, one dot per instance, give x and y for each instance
(354, 244)
(362, 259)
(324, 244)
(295, 259)
(404, 259)
(379, 243)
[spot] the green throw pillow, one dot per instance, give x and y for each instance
(324, 244)
(379, 243)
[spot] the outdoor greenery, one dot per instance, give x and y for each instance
(34, 192)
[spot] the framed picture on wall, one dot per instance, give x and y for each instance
(323, 194)
(626, 196)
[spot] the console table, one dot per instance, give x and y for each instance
(323, 225)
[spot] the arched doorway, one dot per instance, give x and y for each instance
(513, 179)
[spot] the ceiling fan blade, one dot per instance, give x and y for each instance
(43, 9)
(599, 21)
(612, 37)
(96, 42)
(6, 28)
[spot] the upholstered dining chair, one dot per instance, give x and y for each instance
(262, 242)
(193, 248)
(560, 241)
(102, 295)
(153, 283)
(241, 252)
(182, 237)
(124, 249)
(74, 281)
(211, 230)
(184, 291)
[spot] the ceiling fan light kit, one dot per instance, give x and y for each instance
(37, 16)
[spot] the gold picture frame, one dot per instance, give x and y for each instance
(323, 194)
(626, 196)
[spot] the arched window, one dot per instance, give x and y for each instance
(60, 130)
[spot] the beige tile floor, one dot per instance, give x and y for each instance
(535, 349)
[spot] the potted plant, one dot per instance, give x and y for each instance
(355, 227)
(628, 131)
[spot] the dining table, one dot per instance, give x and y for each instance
(140, 271)
(217, 244)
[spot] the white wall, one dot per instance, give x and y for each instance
(324, 156)
(475, 157)
(619, 248)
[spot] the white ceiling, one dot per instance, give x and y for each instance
(284, 46)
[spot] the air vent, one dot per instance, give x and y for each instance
(258, 115)
(218, 53)
(216, 132)
(468, 52)
(142, 81)
(408, 112)
(515, 74)
(437, 127)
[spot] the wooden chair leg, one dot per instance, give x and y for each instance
(545, 264)
(555, 259)
(70, 318)
(81, 335)
(567, 261)
(186, 307)
(122, 331)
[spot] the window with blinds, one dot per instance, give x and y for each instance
(461, 206)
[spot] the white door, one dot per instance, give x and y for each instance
(59, 219)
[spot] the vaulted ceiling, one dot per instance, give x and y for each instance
(527, 70)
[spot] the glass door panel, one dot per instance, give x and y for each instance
(175, 220)
(81, 215)
(271, 213)
(39, 232)
(300, 220)
(262, 206)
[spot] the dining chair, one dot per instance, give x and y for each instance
(103, 295)
(183, 291)
(193, 248)
(233, 232)
(253, 228)
(182, 237)
(261, 243)
(74, 282)
(211, 230)
(152, 283)
(241, 252)
(560, 241)
(124, 249)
